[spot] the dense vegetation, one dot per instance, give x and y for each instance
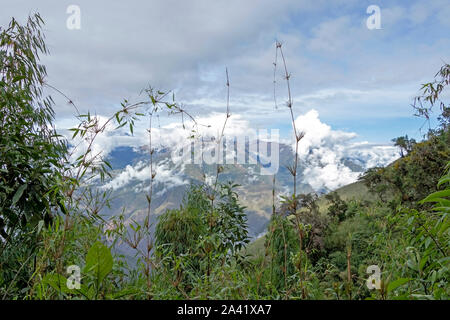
(50, 216)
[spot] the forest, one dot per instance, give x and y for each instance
(384, 237)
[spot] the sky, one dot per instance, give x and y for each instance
(353, 79)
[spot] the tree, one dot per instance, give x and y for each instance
(405, 144)
(31, 154)
(30, 149)
(200, 234)
(338, 207)
(411, 178)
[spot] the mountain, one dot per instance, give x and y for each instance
(131, 175)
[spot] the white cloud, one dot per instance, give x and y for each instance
(166, 175)
(323, 150)
(318, 134)
(174, 136)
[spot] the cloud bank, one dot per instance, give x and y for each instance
(324, 153)
(166, 176)
(328, 158)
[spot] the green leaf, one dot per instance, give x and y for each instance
(435, 196)
(40, 226)
(18, 194)
(397, 283)
(445, 179)
(107, 163)
(120, 126)
(18, 78)
(99, 260)
(424, 260)
(57, 282)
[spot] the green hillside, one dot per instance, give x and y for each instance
(355, 191)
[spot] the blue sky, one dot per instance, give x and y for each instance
(359, 80)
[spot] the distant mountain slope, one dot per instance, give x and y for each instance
(131, 176)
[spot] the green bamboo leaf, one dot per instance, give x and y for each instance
(397, 283)
(435, 196)
(57, 282)
(40, 226)
(18, 78)
(99, 261)
(443, 180)
(18, 194)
